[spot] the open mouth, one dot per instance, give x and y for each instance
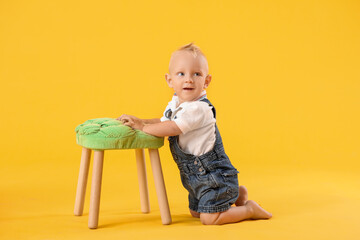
(188, 89)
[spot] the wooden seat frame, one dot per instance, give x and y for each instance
(143, 186)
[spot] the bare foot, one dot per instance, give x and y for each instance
(257, 212)
(243, 196)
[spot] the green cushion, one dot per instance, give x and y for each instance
(109, 133)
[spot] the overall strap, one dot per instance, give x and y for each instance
(208, 102)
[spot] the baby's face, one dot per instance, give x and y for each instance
(188, 75)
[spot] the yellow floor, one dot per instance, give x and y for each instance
(37, 203)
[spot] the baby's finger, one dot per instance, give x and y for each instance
(125, 119)
(121, 117)
(129, 123)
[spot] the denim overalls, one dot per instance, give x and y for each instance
(210, 179)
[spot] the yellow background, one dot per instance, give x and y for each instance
(286, 85)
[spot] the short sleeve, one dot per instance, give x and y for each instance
(164, 117)
(171, 106)
(194, 115)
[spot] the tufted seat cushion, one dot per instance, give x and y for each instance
(109, 133)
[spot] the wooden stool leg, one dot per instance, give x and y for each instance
(160, 186)
(143, 186)
(82, 181)
(96, 189)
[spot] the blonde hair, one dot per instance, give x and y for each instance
(191, 47)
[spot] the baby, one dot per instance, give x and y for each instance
(195, 143)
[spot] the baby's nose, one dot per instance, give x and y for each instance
(189, 79)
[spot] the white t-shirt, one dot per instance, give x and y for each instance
(196, 122)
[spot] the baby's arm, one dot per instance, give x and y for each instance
(151, 121)
(151, 126)
(162, 129)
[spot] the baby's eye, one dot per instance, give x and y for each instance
(180, 74)
(197, 74)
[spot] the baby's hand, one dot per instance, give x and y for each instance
(131, 121)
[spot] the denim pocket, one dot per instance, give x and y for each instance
(225, 177)
(231, 181)
(228, 174)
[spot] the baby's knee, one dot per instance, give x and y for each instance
(194, 214)
(209, 218)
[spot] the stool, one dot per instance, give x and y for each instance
(105, 133)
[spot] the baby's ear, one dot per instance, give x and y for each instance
(168, 79)
(207, 81)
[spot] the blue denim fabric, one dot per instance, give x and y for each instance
(210, 179)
